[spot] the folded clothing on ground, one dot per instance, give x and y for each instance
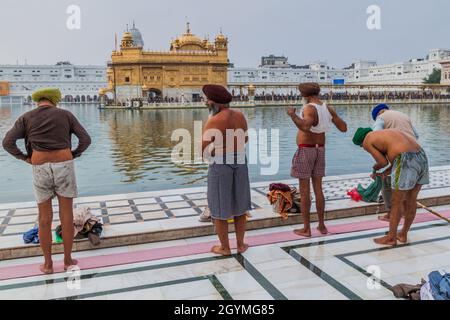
(31, 236)
(86, 225)
(284, 199)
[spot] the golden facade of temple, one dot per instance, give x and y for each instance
(177, 74)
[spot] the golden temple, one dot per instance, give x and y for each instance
(175, 75)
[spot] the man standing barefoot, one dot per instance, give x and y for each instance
(409, 173)
(224, 139)
(385, 118)
(315, 120)
(47, 132)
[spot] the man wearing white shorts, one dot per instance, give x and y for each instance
(47, 132)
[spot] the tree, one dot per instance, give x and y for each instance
(434, 77)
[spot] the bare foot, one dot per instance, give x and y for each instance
(68, 265)
(221, 251)
(322, 229)
(46, 270)
(385, 218)
(402, 238)
(243, 248)
(303, 232)
(386, 241)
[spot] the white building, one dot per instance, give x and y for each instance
(445, 75)
(77, 83)
(273, 78)
(360, 72)
(409, 72)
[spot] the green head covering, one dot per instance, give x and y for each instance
(360, 135)
(51, 94)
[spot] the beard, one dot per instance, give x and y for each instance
(213, 110)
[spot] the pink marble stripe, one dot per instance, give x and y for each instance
(30, 270)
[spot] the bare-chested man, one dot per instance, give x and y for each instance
(385, 118)
(224, 139)
(409, 166)
(315, 120)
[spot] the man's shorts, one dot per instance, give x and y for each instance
(51, 179)
(308, 162)
(410, 169)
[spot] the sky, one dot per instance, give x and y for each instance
(303, 30)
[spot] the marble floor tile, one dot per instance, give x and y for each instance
(145, 201)
(153, 215)
(184, 212)
(239, 282)
(118, 203)
(149, 207)
(172, 198)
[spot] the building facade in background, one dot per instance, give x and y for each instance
(175, 75)
(180, 73)
(273, 61)
(413, 71)
(77, 83)
(445, 73)
(275, 78)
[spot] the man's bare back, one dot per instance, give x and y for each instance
(389, 143)
(228, 119)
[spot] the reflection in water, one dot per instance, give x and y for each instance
(131, 150)
(142, 144)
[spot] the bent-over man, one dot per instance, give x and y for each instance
(408, 163)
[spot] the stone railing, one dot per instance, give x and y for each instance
(255, 104)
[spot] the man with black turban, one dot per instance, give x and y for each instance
(223, 143)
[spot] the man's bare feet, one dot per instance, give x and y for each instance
(385, 218)
(243, 248)
(46, 269)
(303, 232)
(322, 229)
(386, 241)
(221, 251)
(69, 264)
(403, 238)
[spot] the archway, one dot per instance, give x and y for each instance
(68, 98)
(154, 95)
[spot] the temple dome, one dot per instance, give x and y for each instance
(189, 42)
(127, 40)
(138, 41)
(221, 38)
